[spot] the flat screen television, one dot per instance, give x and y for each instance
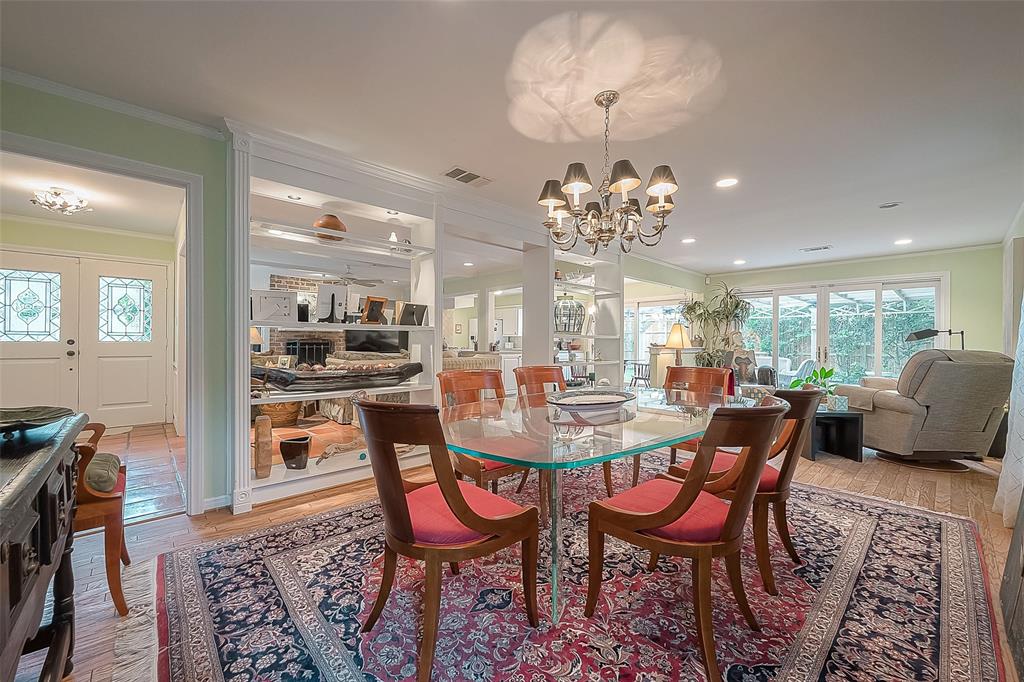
(377, 342)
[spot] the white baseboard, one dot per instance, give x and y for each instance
(216, 502)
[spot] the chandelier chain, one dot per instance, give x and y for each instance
(607, 157)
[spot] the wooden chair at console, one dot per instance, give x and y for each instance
(101, 505)
(461, 386)
(532, 382)
(685, 518)
(446, 521)
(773, 488)
(699, 380)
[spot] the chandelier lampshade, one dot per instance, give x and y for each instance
(656, 203)
(599, 223)
(551, 196)
(577, 181)
(662, 182)
(624, 177)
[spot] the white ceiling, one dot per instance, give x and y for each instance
(118, 202)
(822, 110)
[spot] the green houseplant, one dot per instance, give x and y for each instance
(717, 321)
(820, 377)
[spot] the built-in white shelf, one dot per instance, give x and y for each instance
(324, 238)
(411, 386)
(340, 327)
(585, 336)
(585, 290)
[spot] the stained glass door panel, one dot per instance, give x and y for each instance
(39, 349)
(124, 323)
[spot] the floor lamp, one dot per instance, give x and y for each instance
(922, 334)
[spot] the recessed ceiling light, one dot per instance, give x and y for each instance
(316, 274)
(394, 281)
(392, 212)
(468, 264)
(727, 182)
(739, 262)
(890, 204)
(689, 240)
(275, 232)
(294, 197)
(902, 242)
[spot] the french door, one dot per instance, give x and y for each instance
(858, 329)
(87, 334)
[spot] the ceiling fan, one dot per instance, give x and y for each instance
(348, 279)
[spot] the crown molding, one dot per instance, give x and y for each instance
(866, 259)
(110, 104)
(1018, 219)
(46, 222)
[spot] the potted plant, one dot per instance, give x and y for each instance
(716, 321)
(822, 378)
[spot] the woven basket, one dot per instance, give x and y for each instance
(282, 414)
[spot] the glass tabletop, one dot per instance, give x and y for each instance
(533, 431)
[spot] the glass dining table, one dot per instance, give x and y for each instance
(529, 431)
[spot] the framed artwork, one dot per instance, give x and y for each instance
(458, 328)
(285, 361)
(274, 306)
(373, 312)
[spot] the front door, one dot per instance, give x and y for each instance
(38, 330)
(124, 363)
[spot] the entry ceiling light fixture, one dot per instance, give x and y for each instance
(598, 223)
(62, 201)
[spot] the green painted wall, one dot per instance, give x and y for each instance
(16, 231)
(975, 285)
(37, 114)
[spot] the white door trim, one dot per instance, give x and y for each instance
(192, 183)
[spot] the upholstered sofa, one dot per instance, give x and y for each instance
(946, 404)
(470, 360)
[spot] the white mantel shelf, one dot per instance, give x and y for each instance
(340, 327)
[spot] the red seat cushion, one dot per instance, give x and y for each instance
(690, 445)
(702, 522)
(723, 462)
(434, 523)
(490, 465)
(506, 446)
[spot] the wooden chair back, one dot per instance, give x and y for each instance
(461, 386)
(698, 379)
(386, 424)
(532, 382)
(752, 430)
(798, 421)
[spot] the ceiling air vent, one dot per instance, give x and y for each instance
(467, 177)
(815, 249)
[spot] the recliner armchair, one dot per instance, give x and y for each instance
(947, 404)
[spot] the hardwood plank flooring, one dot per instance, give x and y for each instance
(969, 494)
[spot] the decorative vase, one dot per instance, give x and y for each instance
(282, 414)
(295, 452)
(570, 315)
(329, 221)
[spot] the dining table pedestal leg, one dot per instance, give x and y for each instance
(556, 561)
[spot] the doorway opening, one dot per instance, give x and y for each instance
(93, 314)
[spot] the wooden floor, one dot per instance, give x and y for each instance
(968, 494)
(154, 457)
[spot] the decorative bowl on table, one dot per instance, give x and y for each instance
(590, 399)
(14, 419)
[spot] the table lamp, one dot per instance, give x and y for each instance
(255, 338)
(678, 339)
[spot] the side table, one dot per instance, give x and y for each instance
(837, 433)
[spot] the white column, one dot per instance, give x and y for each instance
(238, 331)
(608, 317)
(538, 301)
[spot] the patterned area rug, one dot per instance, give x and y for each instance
(886, 593)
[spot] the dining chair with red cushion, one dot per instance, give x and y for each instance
(696, 380)
(686, 518)
(531, 385)
(463, 386)
(774, 485)
(446, 521)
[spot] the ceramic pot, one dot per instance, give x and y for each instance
(838, 403)
(329, 221)
(295, 452)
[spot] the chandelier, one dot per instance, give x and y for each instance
(60, 201)
(597, 223)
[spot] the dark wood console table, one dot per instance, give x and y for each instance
(38, 476)
(837, 433)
